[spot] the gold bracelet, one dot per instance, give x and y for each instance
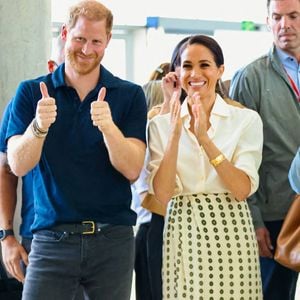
(218, 160)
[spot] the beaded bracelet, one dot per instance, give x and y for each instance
(37, 131)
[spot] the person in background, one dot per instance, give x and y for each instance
(270, 85)
(12, 250)
(143, 279)
(142, 282)
(57, 53)
(149, 237)
(294, 173)
(155, 231)
(83, 131)
(152, 88)
(159, 72)
(204, 160)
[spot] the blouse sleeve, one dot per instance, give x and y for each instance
(248, 154)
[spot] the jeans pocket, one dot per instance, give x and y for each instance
(116, 233)
(48, 236)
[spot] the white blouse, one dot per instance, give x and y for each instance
(238, 134)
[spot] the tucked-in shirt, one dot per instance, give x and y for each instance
(237, 132)
(294, 173)
(74, 180)
(27, 209)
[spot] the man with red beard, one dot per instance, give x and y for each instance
(82, 131)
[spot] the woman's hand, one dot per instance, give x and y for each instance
(169, 84)
(200, 118)
(175, 109)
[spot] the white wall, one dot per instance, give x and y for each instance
(136, 11)
(241, 47)
(152, 47)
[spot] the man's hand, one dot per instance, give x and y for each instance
(264, 242)
(13, 253)
(46, 109)
(100, 112)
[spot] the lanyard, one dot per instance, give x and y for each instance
(295, 88)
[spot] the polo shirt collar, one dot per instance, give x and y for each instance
(106, 79)
(285, 58)
(58, 76)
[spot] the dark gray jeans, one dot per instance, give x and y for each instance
(101, 263)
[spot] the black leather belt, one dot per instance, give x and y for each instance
(85, 227)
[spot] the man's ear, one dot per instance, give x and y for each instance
(51, 66)
(63, 32)
(268, 23)
(108, 39)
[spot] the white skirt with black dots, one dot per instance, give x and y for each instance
(210, 250)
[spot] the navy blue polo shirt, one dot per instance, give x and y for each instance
(27, 210)
(75, 180)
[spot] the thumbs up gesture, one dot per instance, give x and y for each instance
(100, 112)
(46, 109)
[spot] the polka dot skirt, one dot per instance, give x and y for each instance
(210, 250)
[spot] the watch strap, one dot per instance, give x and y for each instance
(5, 233)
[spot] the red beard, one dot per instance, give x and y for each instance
(82, 66)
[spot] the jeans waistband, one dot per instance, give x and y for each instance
(85, 227)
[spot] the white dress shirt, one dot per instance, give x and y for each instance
(238, 134)
(294, 173)
(139, 187)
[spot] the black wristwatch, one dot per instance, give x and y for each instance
(5, 232)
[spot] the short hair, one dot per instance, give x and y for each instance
(268, 4)
(92, 10)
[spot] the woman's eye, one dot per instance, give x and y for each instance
(204, 65)
(186, 66)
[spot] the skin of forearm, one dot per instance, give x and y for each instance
(126, 154)
(8, 194)
(234, 179)
(24, 152)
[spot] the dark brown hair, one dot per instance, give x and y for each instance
(216, 51)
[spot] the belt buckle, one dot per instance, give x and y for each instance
(93, 227)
